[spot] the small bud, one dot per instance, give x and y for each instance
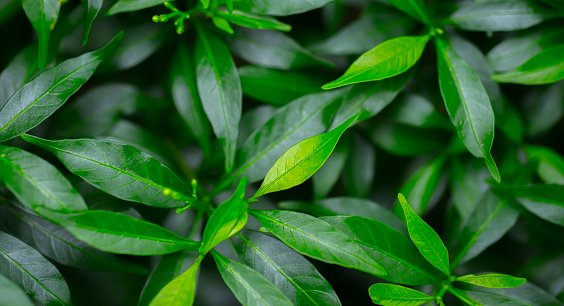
(163, 18)
(167, 192)
(156, 18)
(180, 29)
(439, 31)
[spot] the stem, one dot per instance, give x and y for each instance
(460, 296)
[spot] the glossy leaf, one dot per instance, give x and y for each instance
(272, 49)
(325, 178)
(492, 280)
(394, 295)
(121, 234)
(526, 294)
(24, 266)
(227, 219)
(181, 290)
(277, 8)
(317, 239)
(360, 168)
(296, 277)
(396, 253)
(43, 15)
(386, 60)
(544, 68)
(550, 164)
(253, 21)
(248, 286)
(12, 294)
(220, 90)
(414, 8)
(19, 70)
(421, 186)
(425, 238)
(301, 161)
(38, 99)
(139, 43)
(90, 10)
(133, 5)
(504, 15)
(139, 177)
(467, 103)
(37, 183)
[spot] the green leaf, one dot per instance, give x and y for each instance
(492, 280)
(229, 4)
(526, 294)
(38, 99)
(121, 170)
(516, 50)
(467, 103)
(181, 290)
(544, 68)
(467, 179)
(422, 185)
(121, 234)
(302, 118)
(227, 219)
(12, 294)
(90, 9)
(550, 164)
(205, 3)
(220, 91)
(272, 49)
(254, 21)
(425, 238)
(504, 15)
(37, 183)
(417, 111)
(249, 286)
(133, 5)
(43, 15)
(404, 140)
(317, 239)
(414, 8)
(543, 108)
(24, 266)
(296, 277)
(386, 60)
(396, 253)
(58, 244)
(20, 69)
(186, 97)
(491, 218)
(394, 295)
(259, 83)
(301, 161)
(543, 200)
(277, 8)
(325, 178)
(222, 24)
(360, 168)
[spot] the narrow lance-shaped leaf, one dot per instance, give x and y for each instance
(254, 21)
(550, 164)
(119, 233)
(422, 185)
(38, 99)
(467, 103)
(294, 275)
(90, 9)
(37, 183)
(220, 90)
(19, 70)
(394, 295)
(525, 295)
(133, 5)
(278, 8)
(544, 68)
(302, 160)
(24, 266)
(43, 15)
(249, 286)
(425, 238)
(414, 8)
(228, 219)
(181, 290)
(12, 294)
(492, 280)
(317, 239)
(121, 170)
(386, 60)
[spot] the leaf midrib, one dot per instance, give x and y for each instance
(241, 280)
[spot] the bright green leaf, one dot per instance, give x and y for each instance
(181, 290)
(394, 295)
(492, 280)
(544, 68)
(254, 21)
(422, 185)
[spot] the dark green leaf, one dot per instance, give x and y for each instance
(24, 266)
(43, 15)
(390, 248)
(249, 286)
(544, 68)
(277, 8)
(298, 279)
(503, 15)
(272, 49)
(36, 183)
(492, 280)
(132, 5)
(12, 294)
(325, 178)
(421, 186)
(414, 8)
(543, 108)
(220, 91)
(425, 238)
(467, 179)
(18, 71)
(526, 294)
(550, 164)
(302, 160)
(253, 21)
(317, 239)
(417, 111)
(394, 295)
(38, 99)
(360, 168)
(90, 10)
(121, 170)
(181, 290)
(386, 60)
(467, 103)
(404, 140)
